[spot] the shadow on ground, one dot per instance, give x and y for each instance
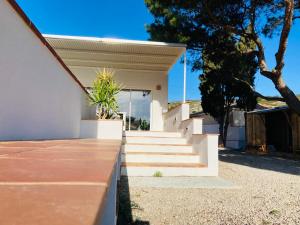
(273, 163)
(126, 206)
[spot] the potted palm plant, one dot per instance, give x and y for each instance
(103, 95)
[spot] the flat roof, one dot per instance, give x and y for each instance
(116, 40)
(55, 182)
(118, 54)
(275, 109)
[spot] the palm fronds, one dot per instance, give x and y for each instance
(103, 94)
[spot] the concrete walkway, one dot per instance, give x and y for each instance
(181, 182)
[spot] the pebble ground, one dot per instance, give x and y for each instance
(269, 193)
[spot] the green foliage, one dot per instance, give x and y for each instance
(228, 74)
(274, 212)
(103, 94)
(196, 23)
(228, 61)
(144, 125)
(157, 174)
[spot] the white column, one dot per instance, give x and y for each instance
(184, 77)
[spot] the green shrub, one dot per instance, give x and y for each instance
(158, 174)
(144, 125)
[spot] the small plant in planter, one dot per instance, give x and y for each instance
(103, 95)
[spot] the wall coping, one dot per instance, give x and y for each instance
(207, 134)
(176, 107)
(104, 120)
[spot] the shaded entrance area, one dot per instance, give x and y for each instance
(274, 130)
(279, 131)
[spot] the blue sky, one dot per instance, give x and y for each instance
(127, 19)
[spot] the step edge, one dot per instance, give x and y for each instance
(162, 153)
(155, 144)
(164, 165)
(151, 137)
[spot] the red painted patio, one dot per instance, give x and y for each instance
(57, 182)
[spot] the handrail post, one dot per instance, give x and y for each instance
(184, 77)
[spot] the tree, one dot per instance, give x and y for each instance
(223, 82)
(192, 22)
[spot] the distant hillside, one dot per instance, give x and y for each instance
(195, 105)
(270, 104)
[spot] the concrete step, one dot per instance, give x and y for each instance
(160, 157)
(166, 169)
(154, 140)
(151, 134)
(157, 148)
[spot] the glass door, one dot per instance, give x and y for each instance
(123, 99)
(136, 105)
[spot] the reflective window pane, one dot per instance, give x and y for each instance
(140, 110)
(123, 99)
(136, 105)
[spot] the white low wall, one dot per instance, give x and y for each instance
(206, 145)
(101, 129)
(174, 117)
(109, 214)
(190, 127)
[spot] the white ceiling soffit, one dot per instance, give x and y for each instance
(116, 53)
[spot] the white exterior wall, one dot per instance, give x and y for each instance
(38, 98)
(140, 80)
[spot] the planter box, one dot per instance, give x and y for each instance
(101, 129)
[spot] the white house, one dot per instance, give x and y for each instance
(141, 67)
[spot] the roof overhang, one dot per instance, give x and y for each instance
(118, 54)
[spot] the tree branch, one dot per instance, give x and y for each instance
(269, 98)
(262, 64)
(257, 94)
(288, 19)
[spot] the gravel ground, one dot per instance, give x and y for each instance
(269, 194)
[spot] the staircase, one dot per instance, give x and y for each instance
(145, 153)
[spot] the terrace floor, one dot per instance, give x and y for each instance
(57, 182)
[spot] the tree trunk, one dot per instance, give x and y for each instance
(226, 124)
(289, 96)
(221, 130)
